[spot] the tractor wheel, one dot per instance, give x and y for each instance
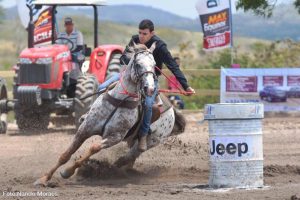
(3, 116)
(114, 66)
(86, 86)
(30, 119)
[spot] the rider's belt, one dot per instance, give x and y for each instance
(121, 103)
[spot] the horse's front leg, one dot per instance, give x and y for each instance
(79, 138)
(95, 148)
(107, 142)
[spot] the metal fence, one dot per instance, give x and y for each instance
(189, 72)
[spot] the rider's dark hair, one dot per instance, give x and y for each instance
(146, 24)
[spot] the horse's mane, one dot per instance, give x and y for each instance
(140, 47)
(135, 48)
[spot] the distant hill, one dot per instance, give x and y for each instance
(127, 14)
(284, 24)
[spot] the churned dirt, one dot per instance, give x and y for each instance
(178, 169)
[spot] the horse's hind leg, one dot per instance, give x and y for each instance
(95, 148)
(79, 138)
(127, 161)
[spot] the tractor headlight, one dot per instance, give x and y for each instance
(44, 61)
(25, 61)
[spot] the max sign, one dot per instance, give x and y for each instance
(215, 17)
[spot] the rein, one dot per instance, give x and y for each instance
(125, 91)
(178, 91)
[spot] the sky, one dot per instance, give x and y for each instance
(185, 8)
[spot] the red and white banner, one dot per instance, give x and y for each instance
(43, 27)
(277, 88)
(215, 17)
(41, 18)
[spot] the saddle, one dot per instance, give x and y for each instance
(161, 105)
(156, 109)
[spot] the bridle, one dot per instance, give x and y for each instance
(137, 75)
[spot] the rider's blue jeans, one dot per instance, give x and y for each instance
(149, 101)
(107, 83)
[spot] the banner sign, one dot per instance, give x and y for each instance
(277, 88)
(41, 19)
(43, 27)
(215, 17)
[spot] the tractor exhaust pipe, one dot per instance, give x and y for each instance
(30, 28)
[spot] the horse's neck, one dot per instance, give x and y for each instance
(129, 85)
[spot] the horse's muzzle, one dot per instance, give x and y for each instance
(149, 91)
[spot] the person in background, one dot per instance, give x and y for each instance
(74, 40)
(173, 84)
(71, 35)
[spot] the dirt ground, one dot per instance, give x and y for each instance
(178, 169)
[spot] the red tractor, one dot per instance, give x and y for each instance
(44, 82)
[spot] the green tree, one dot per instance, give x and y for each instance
(262, 7)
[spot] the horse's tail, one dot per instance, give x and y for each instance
(180, 123)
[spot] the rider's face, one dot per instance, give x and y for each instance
(145, 35)
(69, 28)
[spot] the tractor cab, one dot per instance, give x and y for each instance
(46, 80)
(97, 58)
(49, 19)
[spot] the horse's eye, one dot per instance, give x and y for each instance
(138, 65)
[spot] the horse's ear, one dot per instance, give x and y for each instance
(135, 47)
(130, 49)
(134, 44)
(153, 46)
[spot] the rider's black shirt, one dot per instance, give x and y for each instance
(161, 55)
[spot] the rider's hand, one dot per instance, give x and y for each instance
(190, 91)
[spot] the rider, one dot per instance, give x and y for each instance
(75, 36)
(161, 55)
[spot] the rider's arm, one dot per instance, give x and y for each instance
(169, 61)
(125, 58)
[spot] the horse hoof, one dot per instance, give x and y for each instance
(43, 181)
(66, 174)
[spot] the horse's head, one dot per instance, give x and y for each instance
(143, 69)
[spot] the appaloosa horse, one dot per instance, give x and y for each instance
(114, 113)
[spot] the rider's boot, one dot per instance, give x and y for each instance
(143, 143)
